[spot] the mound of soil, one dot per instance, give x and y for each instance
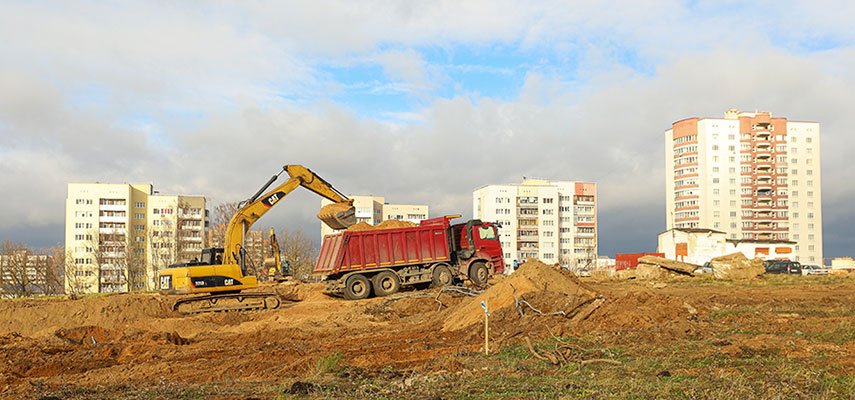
(566, 292)
(388, 224)
(44, 317)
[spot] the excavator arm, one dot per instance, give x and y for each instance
(338, 215)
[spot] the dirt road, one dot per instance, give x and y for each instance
(111, 343)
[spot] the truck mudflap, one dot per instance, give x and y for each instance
(334, 286)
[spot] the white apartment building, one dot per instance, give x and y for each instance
(553, 221)
(118, 236)
(373, 210)
(750, 175)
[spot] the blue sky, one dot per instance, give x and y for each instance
(400, 98)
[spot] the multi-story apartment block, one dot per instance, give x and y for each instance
(118, 236)
(751, 175)
(373, 210)
(553, 221)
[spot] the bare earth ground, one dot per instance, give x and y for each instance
(776, 337)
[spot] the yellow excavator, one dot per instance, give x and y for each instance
(221, 275)
(276, 269)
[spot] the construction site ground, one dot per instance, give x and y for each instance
(778, 337)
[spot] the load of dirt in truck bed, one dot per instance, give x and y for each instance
(388, 224)
(562, 288)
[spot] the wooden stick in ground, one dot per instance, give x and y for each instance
(486, 331)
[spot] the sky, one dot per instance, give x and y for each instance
(420, 102)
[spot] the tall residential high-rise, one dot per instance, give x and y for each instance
(373, 210)
(751, 175)
(553, 221)
(118, 236)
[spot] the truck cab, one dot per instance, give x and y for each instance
(477, 240)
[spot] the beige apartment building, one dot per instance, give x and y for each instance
(373, 210)
(749, 174)
(118, 236)
(553, 221)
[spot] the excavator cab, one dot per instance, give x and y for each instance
(212, 256)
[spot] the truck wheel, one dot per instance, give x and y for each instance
(478, 273)
(441, 276)
(357, 287)
(386, 283)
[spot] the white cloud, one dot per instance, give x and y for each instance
(227, 93)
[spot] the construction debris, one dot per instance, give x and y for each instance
(676, 266)
(736, 267)
(647, 271)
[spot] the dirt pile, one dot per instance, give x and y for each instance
(736, 267)
(388, 224)
(663, 316)
(562, 288)
(331, 212)
(43, 317)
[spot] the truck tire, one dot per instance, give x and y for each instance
(478, 273)
(441, 276)
(386, 283)
(357, 287)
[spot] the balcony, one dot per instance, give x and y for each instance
(767, 204)
(113, 207)
(764, 170)
(586, 234)
(765, 226)
(763, 148)
(764, 215)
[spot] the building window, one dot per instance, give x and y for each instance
(139, 204)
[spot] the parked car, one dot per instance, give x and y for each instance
(813, 270)
(782, 267)
(705, 269)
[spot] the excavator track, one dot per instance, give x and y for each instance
(228, 302)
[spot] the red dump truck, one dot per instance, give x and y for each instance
(435, 252)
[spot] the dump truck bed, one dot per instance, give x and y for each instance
(383, 248)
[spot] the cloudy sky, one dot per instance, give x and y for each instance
(418, 101)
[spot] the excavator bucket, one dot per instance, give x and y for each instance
(338, 215)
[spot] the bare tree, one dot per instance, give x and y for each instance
(54, 275)
(163, 249)
(16, 277)
(75, 275)
(298, 251)
(135, 265)
(223, 213)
